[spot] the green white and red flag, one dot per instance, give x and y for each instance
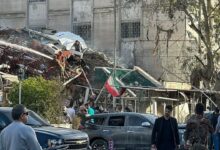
(113, 87)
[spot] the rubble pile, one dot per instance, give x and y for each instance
(30, 51)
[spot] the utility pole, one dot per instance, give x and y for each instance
(71, 16)
(115, 15)
(20, 78)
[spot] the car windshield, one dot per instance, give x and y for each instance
(35, 120)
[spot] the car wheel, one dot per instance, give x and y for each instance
(99, 144)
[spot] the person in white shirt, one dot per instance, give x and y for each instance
(17, 135)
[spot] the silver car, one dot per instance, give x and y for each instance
(127, 130)
(120, 130)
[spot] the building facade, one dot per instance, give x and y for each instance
(133, 32)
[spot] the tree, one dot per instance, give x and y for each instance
(42, 96)
(203, 20)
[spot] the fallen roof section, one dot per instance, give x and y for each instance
(128, 77)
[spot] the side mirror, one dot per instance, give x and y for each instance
(146, 124)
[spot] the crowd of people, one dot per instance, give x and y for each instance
(202, 133)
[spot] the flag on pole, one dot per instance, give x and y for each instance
(113, 87)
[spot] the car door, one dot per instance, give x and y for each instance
(115, 130)
(94, 126)
(139, 136)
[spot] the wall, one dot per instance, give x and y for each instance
(13, 13)
(141, 51)
(59, 15)
(37, 14)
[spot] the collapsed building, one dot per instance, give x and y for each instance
(84, 73)
(42, 54)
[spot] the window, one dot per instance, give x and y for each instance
(96, 120)
(135, 121)
(130, 29)
(4, 121)
(116, 121)
(83, 30)
(37, 0)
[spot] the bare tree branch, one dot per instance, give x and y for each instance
(200, 61)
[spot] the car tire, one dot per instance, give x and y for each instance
(99, 144)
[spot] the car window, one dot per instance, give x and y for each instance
(116, 121)
(96, 120)
(35, 120)
(151, 118)
(135, 121)
(4, 121)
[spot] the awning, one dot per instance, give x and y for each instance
(127, 77)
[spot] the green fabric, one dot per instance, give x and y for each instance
(91, 111)
(128, 77)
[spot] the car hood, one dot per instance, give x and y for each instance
(64, 132)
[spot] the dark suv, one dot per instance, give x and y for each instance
(121, 131)
(61, 138)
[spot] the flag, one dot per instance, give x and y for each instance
(113, 87)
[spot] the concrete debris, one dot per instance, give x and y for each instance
(43, 54)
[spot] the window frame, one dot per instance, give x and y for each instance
(128, 29)
(78, 27)
(135, 116)
(118, 116)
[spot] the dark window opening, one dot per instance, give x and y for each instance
(130, 30)
(83, 30)
(116, 121)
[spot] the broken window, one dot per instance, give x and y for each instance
(130, 29)
(83, 30)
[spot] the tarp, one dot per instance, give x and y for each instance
(67, 39)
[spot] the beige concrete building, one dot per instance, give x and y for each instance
(141, 34)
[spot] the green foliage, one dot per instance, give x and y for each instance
(40, 95)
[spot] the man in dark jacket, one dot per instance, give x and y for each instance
(165, 134)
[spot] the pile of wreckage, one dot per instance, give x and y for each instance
(50, 56)
(82, 73)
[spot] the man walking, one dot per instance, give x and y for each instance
(197, 130)
(215, 136)
(17, 135)
(165, 134)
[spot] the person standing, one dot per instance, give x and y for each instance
(165, 134)
(215, 136)
(198, 129)
(17, 135)
(90, 108)
(77, 46)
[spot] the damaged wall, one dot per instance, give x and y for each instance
(96, 18)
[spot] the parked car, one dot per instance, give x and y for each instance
(48, 135)
(126, 130)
